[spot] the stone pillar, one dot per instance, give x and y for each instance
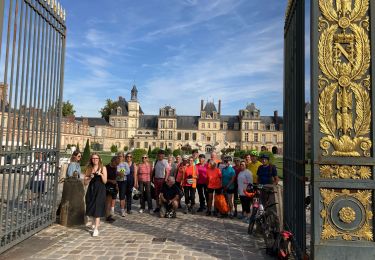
(72, 203)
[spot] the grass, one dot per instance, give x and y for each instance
(278, 162)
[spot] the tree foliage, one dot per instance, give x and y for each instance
(137, 155)
(114, 148)
(86, 154)
(177, 152)
(67, 109)
(106, 110)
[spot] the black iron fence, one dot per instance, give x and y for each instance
(294, 123)
(32, 51)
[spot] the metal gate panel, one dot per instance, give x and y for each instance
(342, 93)
(294, 123)
(32, 50)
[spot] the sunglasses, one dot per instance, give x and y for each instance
(95, 158)
(129, 156)
(79, 156)
(144, 157)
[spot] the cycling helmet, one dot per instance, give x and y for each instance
(254, 153)
(249, 191)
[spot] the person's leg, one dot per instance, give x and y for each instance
(209, 205)
(142, 194)
(148, 194)
(192, 197)
(201, 196)
(187, 199)
(122, 191)
(108, 203)
(129, 190)
(230, 203)
(205, 192)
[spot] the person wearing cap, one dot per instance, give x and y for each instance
(267, 173)
(161, 173)
(189, 183)
(252, 164)
(202, 182)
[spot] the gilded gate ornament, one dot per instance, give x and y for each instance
(345, 172)
(334, 227)
(344, 83)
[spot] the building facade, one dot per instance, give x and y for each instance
(129, 127)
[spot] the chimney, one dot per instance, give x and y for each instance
(275, 114)
(219, 107)
(202, 104)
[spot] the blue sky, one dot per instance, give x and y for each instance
(177, 52)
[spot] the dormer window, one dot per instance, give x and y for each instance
(119, 111)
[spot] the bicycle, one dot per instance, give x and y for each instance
(264, 218)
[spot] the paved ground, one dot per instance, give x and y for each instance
(145, 236)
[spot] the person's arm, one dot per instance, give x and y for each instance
(135, 176)
(167, 171)
(162, 198)
(70, 170)
(231, 180)
(87, 178)
(103, 175)
(274, 174)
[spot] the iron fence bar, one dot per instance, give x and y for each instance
(40, 111)
(17, 111)
(38, 11)
(26, 111)
(59, 115)
(11, 87)
(2, 6)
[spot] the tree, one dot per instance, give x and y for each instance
(77, 147)
(154, 152)
(137, 155)
(106, 110)
(177, 152)
(68, 109)
(168, 151)
(114, 148)
(149, 151)
(126, 148)
(86, 154)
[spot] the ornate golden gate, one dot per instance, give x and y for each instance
(343, 129)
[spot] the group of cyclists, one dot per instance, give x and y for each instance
(167, 180)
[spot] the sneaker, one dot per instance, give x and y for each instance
(156, 210)
(123, 213)
(129, 212)
(200, 209)
(174, 214)
(112, 211)
(208, 213)
(186, 210)
(110, 219)
(95, 233)
(193, 210)
(141, 211)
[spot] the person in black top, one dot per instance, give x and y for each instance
(169, 198)
(111, 188)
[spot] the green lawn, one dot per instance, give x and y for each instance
(278, 162)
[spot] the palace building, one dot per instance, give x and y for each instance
(128, 126)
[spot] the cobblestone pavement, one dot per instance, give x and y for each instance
(145, 236)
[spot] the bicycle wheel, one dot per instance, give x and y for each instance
(250, 229)
(271, 232)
